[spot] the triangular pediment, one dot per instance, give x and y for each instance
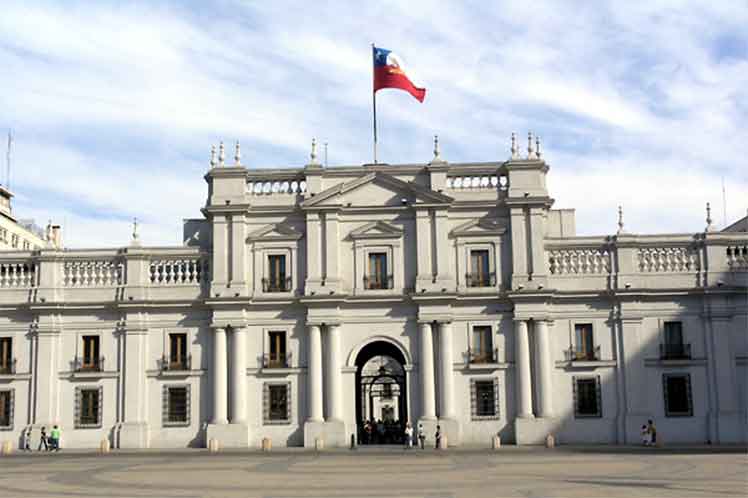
(478, 227)
(376, 189)
(275, 231)
(377, 230)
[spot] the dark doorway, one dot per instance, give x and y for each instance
(381, 396)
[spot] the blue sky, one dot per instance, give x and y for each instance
(114, 106)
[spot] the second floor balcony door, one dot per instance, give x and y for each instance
(277, 273)
(377, 270)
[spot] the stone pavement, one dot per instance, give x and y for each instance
(601, 471)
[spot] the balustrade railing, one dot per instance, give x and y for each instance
(8, 367)
(81, 364)
(574, 354)
(667, 259)
(675, 351)
(480, 279)
(93, 273)
(178, 271)
(276, 360)
(276, 284)
(17, 275)
(477, 356)
(737, 256)
(574, 261)
(176, 364)
(376, 282)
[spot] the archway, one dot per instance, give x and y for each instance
(381, 395)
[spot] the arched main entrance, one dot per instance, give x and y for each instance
(381, 397)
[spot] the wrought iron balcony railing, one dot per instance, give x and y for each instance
(375, 282)
(8, 367)
(675, 351)
(89, 364)
(176, 364)
(477, 356)
(276, 285)
(480, 279)
(573, 354)
(276, 360)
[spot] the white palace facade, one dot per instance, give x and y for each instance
(309, 300)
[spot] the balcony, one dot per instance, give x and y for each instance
(378, 282)
(478, 357)
(177, 364)
(276, 284)
(675, 351)
(83, 365)
(8, 367)
(572, 354)
(480, 279)
(276, 360)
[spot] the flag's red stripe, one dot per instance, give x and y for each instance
(385, 77)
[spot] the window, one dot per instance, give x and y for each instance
(277, 280)
(88, 404)
(6, 355)
(176, 406)
(481, 345)
(91, 359)
(14, 240)
(480, 272)
(387, 390)
(677, 391)
(377, 277)
(674, 348)
(6, 409)
(587, 402)
(26, 245)
(277, 403)
(484, 399)
(178, 358)
(277, 357)
(584, 346)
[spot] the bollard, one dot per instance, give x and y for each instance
(496, 442)
(104, 446)
(213, 445)
(7, 448)
(353, 441)
(319, 444)
(443, 443)
(267, 444)
(550, 441)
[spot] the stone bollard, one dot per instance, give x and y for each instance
(267, 444)
(104, 446)
(7, 448)
(353, 441)
(496, 442)
(213, 445)
(319, 444)
(550, 441)
(443, 443)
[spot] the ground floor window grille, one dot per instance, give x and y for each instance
(277, 403)
(6, 409)
(88, 407)
(176, 405)
(484, 399)
(587, 402)
(677, 392)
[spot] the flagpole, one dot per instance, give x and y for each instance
(374, 101)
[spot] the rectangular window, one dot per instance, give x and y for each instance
(276, 281)
(584, 347)
(277, 358)
(677, 391)
(480, 275)
(377, 277)
(481, 347)
(178, 352)
(177, 405)
(674, 348)
(278, 403)
(89, 410)
(91, 359)
(587, 402)
(6, 355)
(484, 399)
(387, 390)
(6, 409)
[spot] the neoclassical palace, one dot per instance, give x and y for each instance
(312, 305)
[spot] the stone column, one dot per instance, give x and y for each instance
(446, 409)
(544, 368)
(315, 374)
(239, 376)
(220, 382)
(428, 397)
(334, 381)
(522, 369)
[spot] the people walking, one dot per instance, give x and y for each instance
(408, 436)
(55, 437)
(646, 439)
(43, 440)
(421, 437)
(27, 440)
(652, 432)
(438, 437)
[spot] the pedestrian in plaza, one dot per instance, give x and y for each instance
(421, 437)
(408, 436)
(43, 440)
(646, 440)
(438, 437)
(367, 432)
(55, 438)
(652, 432)
(27, 440)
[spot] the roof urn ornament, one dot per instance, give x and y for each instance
(313, 153)
(135, 236)
(515, 149)
(221, 155)
(538, 152)
(530, 147)
(437, 153)
(212, 156)
(709, 226)
(237, 155)
(620, 220)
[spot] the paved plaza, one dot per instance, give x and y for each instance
(382, 472)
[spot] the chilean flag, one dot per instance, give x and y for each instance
(389, 72)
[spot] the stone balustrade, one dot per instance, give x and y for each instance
(576, 261)
(93, 273)
(19, 274)
(288, 187)
(668, 259)
(737, 256)
(178, 271)
(476, 182)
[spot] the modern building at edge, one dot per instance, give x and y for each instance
(309, 300)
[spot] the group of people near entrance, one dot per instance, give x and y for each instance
(389, 432)
(410, 435)
(649, 434)
(49, 442)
